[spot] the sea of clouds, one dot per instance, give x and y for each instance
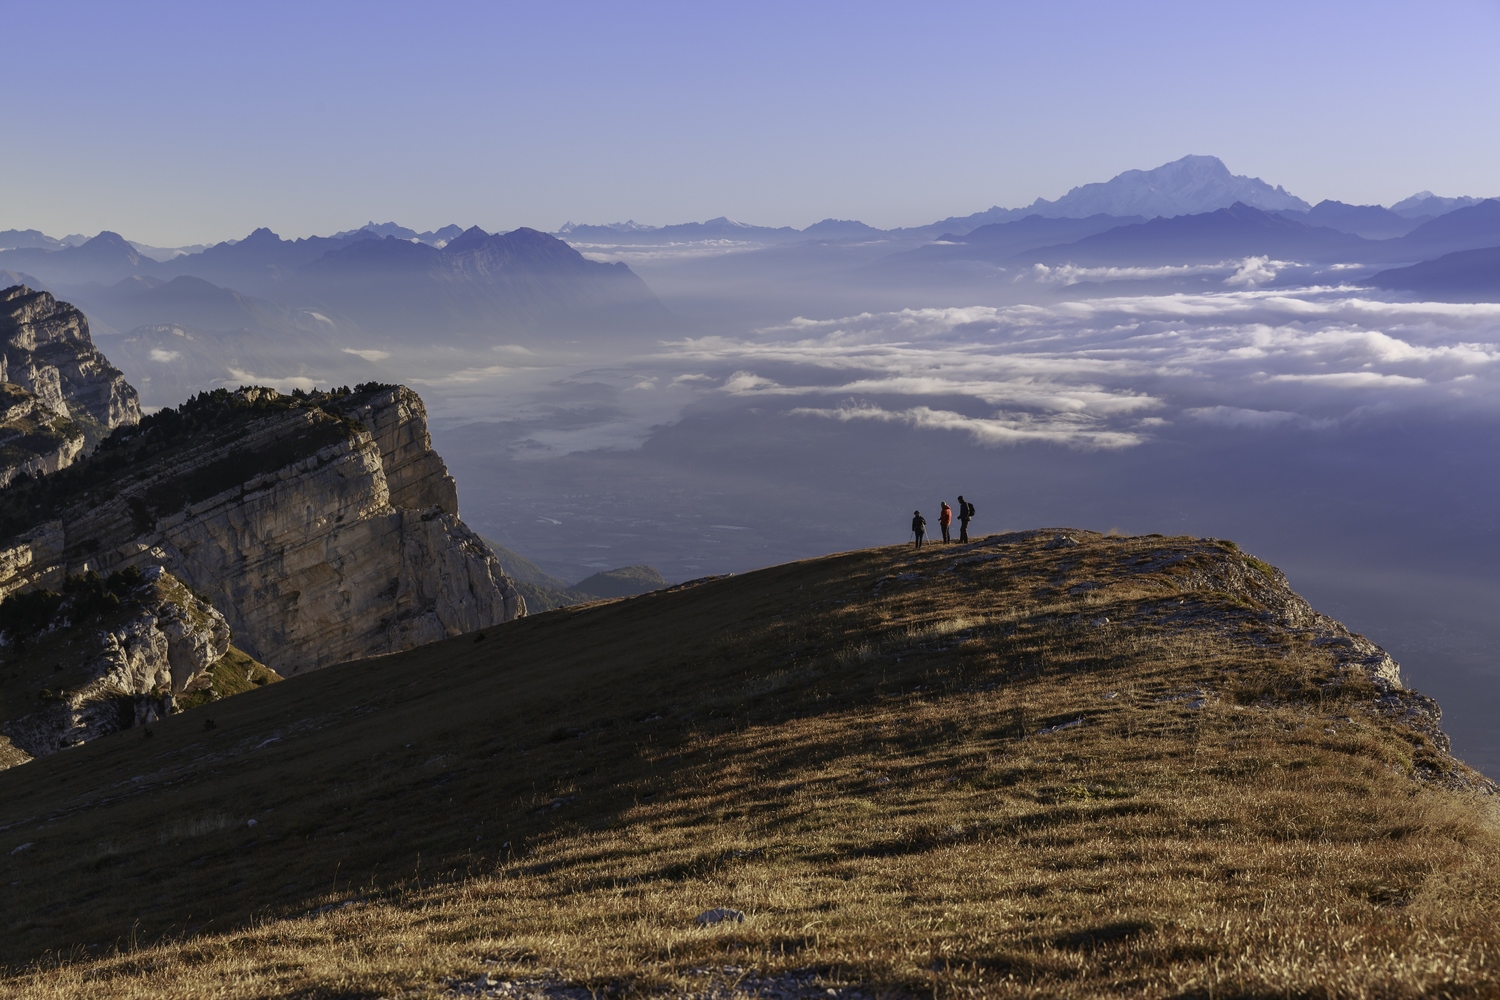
(1108, 372)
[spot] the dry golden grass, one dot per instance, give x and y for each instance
(850, 750)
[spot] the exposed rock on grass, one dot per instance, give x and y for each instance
(107, 654)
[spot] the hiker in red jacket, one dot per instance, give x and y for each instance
(945, 518)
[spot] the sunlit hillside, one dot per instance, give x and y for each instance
(1048, 763)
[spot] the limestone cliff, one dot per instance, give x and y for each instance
(59, 397)
(322, 526)
(102, 655)
(415, 476)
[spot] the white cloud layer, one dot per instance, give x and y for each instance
(1086, 372)
(984, 430)
(1100, 372)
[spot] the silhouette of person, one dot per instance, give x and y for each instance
(918, 526)
(965, 512)
(945, 518)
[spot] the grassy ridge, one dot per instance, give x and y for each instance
(1009, 769)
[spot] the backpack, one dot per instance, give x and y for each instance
(971, 508)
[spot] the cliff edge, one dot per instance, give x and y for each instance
(59, 397)
(322, 526)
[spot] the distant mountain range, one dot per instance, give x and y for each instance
(1425, 204)
(475, 284)
(436, 237)
(1001, 240)
(1237, 231)
(14, 239)
(525, 282)
(1192, 185)
(143, 300)
(242, 304)
(321, 310)
(1225, 234)
(722, 228)
(1370, 221)
(1464, 276)
(18, 239)
(1449, 233)
(1189, 186)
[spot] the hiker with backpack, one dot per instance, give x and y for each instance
(918, 526)
(965, 514)
(945, 518)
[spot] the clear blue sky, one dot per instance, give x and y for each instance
(176, 123)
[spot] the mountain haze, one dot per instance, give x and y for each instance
(477, 285)
(1468, 228)
(103, 259)
(1463, 276)
(1237, 231)
(721, 229)
(1370, 221)
(1425, 204)
(13, 239)
(1189, 186)
(998, 242)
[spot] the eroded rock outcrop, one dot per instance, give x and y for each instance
(59, 397)
(1266, 588)
(322, 526)
(1219, 591)
(102, 655)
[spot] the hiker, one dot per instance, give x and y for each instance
(945, 518)
(965, 512)
(918, 526)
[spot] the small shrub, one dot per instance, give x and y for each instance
(1264, 568)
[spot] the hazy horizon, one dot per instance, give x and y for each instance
(652, 224)
(178, 124)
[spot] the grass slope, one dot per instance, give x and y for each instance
(1017, 768)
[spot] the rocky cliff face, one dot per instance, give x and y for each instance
(323, 527)
(102, 655)
(59, 397)
(415, 475)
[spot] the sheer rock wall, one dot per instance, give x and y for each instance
(58, 395)
(313, 560)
